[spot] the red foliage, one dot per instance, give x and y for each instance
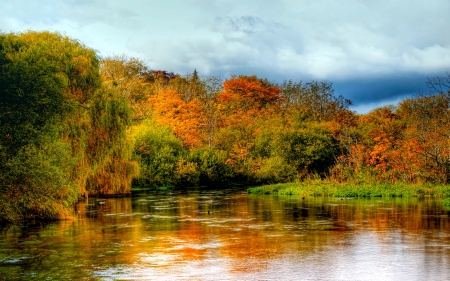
(249, 91)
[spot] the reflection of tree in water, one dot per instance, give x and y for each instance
(233, 232)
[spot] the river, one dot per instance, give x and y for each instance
(231, 235)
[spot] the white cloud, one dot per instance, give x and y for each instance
(431, 58)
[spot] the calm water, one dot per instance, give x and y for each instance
(230, 235)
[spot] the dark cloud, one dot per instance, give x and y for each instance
(368, 93)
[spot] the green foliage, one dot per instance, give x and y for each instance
(109, 149)
(157, 150)
(270, 170)
(446, 202)
(31, 95)
(186, 173)
(34, 183)
(43, 78)
(307, 149)
(128, 76)
(110, 114)
(164, 162)
(212, 168)
(74, 63)
(59, 132)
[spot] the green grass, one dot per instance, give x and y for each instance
(323, 188)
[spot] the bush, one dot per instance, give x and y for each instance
(157, 151)
(212, 168)
(186, 173)
(270, 170)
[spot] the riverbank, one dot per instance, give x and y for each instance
(322, 188)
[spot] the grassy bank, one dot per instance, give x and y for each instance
(321, 188)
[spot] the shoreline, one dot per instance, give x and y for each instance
(324, 188)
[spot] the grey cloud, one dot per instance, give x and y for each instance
(382, 90)
(250, 25)
(209, 57)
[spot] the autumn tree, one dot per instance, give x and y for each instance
(212, 87)
(159, 79)
(428, 123)
(45, 80)
(130, 77)
(243, 100)
(314, 100)
(248, 92)
(109, 149)
(184, 118)
(189, 87)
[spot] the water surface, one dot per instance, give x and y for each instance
(230, 235)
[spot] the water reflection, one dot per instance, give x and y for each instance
(229, 235)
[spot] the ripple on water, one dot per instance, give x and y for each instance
(146, 239)
(260, 226)
(195, 219)
(158, 259)
(17, 260)
(202, 246)
(151, 216)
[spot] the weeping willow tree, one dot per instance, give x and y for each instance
(110, 149)
(120, 100)
(61, 132)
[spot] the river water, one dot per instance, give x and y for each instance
(230, 235)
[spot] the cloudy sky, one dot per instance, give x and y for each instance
(374, 52)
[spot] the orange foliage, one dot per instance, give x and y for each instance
(248, 91)
(184, 118)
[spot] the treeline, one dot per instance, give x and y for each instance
(72, 123)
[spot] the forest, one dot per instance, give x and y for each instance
(73, 123)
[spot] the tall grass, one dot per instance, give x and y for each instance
(325, 188)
